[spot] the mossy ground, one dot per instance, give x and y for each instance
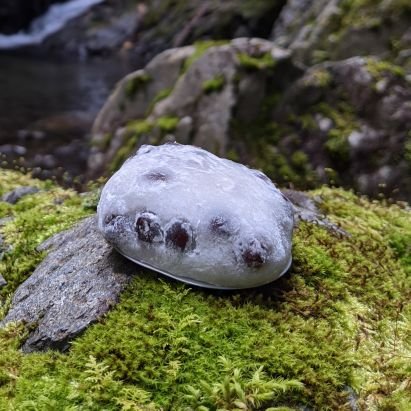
(339, 319)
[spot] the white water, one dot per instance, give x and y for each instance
(51, 22)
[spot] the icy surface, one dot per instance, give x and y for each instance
(198, 218)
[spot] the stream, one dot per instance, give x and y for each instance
(47, 106)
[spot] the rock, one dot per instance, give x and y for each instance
(351, 116)
(188, 95)
(13, 196)
(3, 282)
(198, 218)
(75, 285)
(305, 209)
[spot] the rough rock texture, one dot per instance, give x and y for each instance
(353, 116)
(75, 285)
(338, 29)
(13, 196)
(191, 94)
(3, 282)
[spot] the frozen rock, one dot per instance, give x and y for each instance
(193, 216)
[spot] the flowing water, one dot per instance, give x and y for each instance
(47, 106)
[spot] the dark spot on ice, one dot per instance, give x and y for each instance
(117, 227)
(148, 228)
(180, 236)
(156, 176)
(263, 177)
(220, 225)
(254, 253)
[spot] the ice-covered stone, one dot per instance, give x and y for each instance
(201, 219)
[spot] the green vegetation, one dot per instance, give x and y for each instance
(340, 318)
(135, 84)
(379, 68)
(344, 124)
(167, 124)
(161, 95)
(263, 62)
(214, 85)
(200, 49)
(135, 129)
(320, 77)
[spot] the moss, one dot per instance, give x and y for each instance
(380, 68)
(319, 77)
(252, 63)
(338, 319)
(161, 95)
(168, 124)
(135, 84)
(35, 217)
(134, 130)
(214, 85)
(103, 143)
(345, 123)
(200, 49)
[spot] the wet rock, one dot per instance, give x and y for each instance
(13, 196)
(75, 285)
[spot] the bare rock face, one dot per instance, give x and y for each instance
(201, 219)
(75, 285)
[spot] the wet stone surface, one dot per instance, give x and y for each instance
(207, 221)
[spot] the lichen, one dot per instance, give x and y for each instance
(214, 85)
(319, 77)
(338, 319)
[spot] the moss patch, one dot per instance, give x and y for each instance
(252, 63)
(214, 85)
(380, 68)
(200, 49)
(135, 84)
(339, 319)
(167, 124)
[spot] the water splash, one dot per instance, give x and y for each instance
(51, 22)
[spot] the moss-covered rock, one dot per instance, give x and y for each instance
(337, 323)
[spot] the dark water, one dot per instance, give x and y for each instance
(47, 108)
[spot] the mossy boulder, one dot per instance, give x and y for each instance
(331, 334)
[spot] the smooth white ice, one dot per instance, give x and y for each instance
(199, 218)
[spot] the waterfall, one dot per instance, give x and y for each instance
(51, 22)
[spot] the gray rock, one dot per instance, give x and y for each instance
(13, 196)
(3, 282)
(306, 209)
(75, 285)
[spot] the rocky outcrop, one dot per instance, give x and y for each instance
(75, 285)
(342, 122)
(321, 30)
(192, 95)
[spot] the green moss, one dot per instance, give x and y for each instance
(344, 124)
(168, 124)
(320, 77)
(35, 217)
(200, 49)
(135, 84)
(340, 318)
(252, 63)
(214, 85)
(104, 143)
(135, 129)
(379, 68)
